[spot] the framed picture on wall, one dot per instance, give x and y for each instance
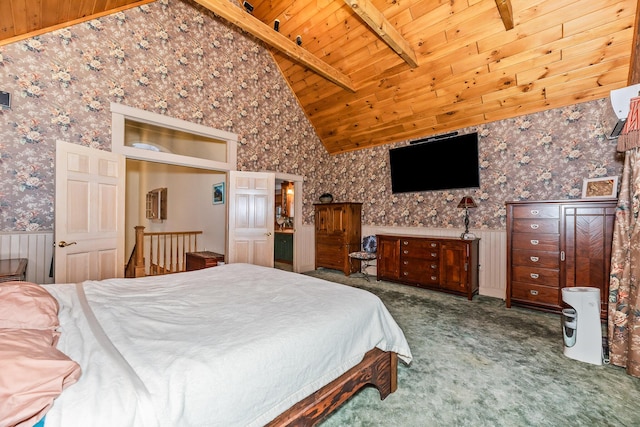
(218, 193)
(605, 187)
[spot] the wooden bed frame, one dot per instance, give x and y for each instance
(378, 368)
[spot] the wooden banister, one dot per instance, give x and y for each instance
(166, 251)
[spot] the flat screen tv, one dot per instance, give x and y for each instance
(440, 164)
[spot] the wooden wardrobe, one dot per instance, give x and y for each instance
(337, 233)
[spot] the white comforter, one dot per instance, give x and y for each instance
(233, 345)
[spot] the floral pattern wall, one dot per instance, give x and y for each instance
(175, 58)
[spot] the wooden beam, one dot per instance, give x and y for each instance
(634, 65)
(378, 23)
(506, 13)
(254, 26)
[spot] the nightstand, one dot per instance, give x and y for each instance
(204, 259)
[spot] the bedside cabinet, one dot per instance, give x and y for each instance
(204, 259)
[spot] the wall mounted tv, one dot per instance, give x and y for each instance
(436, 164)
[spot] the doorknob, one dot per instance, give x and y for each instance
(267, 234)
(63, 244)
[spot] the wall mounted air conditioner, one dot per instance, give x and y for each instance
(620, 100)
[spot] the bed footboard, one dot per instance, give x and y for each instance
(378, 368)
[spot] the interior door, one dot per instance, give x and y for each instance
(251, 199)
(89, 214)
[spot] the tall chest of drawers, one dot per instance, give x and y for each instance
(556, 244)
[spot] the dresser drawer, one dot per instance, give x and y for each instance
(536, 242)
(528, 292)
(536, 226)
(420, 275)
(536, 211)
(535, 275)
(534, 258)
(420, 245)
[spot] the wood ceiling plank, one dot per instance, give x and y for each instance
(445, 17)
(593, 20)
(482, 24)
(557, 87)
(634, 68)
(33, 14)
(600, 44)
(20, 16)
(50, 13)
(542, 22)
(83, 8)
(66, 23)
(7, 28)
(617, 56)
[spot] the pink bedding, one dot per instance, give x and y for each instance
(33, 371)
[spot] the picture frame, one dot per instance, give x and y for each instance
(605, 187)
(218, 193)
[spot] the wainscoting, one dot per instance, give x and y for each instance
(492, 256)
(35, 247)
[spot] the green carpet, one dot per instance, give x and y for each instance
(477, 363)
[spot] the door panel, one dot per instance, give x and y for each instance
(251, 217)
(89, 214)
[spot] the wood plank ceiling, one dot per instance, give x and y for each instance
(370, 72)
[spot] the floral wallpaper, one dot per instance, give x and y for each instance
(175, 58)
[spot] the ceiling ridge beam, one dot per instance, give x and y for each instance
(378, 23)
(268, 35)
(506, 13)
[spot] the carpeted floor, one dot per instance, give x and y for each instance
(477, 363)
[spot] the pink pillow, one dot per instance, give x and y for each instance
(33, 374)
(25, 305)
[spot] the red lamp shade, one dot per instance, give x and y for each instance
(467, 202)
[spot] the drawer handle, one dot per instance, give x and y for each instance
(534, 226)
(434, 254)
(434, 278)
(535, 212)
(534, 242)
(534, 275)
(406, 262)
(405, 273)
(434, 266)
(405, 252)
(534, 259)
(404, 242)
(533, 292)
(433, 245)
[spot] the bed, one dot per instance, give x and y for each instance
(233, 345)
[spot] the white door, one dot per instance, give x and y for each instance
(251, 199)
(89, 214)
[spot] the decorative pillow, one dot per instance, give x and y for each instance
(25, 305)
(33, 374)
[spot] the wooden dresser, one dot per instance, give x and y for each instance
(556, 244)
(203, 259)
(447, 264)
(338, 232)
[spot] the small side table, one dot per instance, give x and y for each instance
(13, 269)
(204, 259)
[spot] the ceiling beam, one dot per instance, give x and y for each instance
(257, 28)
(506, 13)
(378, 23)
(634, 65)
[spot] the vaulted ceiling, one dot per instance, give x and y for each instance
(370, 72)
